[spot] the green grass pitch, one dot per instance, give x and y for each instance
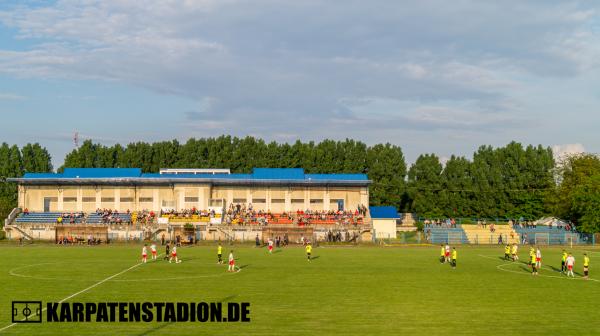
(344, 290)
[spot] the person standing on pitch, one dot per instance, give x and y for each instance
(231, 262)
(586, 266)
(174, 255)
(515, 254)
(454, 255)
(563, 263)
(538, 258)
(534, 270)
(442, 254)
(447, 252)
(153, 251)
(308, 250)
(219, 254)
(167, 251)
(270, 245)
(144, 253)
(570, 261)
(507, 252)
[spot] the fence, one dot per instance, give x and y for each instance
(454, 236)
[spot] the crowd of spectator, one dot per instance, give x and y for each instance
(110, 216)
(345, 217)
(143, 217)
(188, 213)
(79, 240)
(443, 223)
(71, 218)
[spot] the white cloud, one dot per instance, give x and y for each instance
(11, 96)
(560, 152)
(316, 68)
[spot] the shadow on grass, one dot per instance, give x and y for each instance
(315, 257)
(160, 327)
(157, 328)
(277, 251)
(555, 269)
(244, 266)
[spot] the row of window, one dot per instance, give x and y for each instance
(187, 199)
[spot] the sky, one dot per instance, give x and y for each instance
(431, 76)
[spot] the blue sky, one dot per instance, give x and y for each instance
(425, 75)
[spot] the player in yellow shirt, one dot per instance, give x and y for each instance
(220, 254)
(586, 266)
(308, 250)
(563, 263)
(454, 253)
(534, 270)
(507, 252)
(442, 254)
(515, 254)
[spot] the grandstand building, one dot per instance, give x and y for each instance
(274, 189)
(204, 203)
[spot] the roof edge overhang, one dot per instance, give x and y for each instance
(170, 181)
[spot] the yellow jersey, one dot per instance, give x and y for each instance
(586, 261)
(564, 257)
(454, 255)
(507, 250)
(219, 250)
(533, 259)
(308, 248)
(443, 252)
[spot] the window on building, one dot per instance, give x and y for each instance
(126, 199)
(316, 201)
(69, 199)
(298, 200)
(239, 200)
(107, 199)
(191, 199)
(259, 200)
(277, 200)
(145, 199)
(88, 199)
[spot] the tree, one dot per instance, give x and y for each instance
(425, 185)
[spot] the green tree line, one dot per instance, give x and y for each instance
(505, 182)
(14, 162)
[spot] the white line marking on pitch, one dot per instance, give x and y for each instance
(82, 291)
(500, 267)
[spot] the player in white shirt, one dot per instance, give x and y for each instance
(231, 262)
(153, 250)
(447, 254)
(538, 258)
(270, 245)
(174, 255)
(570, 263)
(144, 253)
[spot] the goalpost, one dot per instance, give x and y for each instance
(542, 239)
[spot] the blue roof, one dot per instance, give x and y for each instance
(101, 172)
(383, 212)
(279, 174)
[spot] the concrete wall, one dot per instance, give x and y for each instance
(384, 228)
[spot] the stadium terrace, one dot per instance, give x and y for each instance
(101, 204)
